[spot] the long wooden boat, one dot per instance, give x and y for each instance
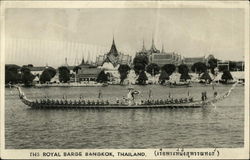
(98, 104)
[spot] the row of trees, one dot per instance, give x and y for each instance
(16, 74)
(141, 66)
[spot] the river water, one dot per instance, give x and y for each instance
(215, 126)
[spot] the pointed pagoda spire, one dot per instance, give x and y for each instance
(83, 60)
(162, 49)
(66, 62)
(113, 51)
(153, 48)
(113, 42)
(153, 44)
(143, 47)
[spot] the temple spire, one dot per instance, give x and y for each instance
(153, 48)
(113, 51)
(66, 62)
(162, 50)
(83, 60)
(113, 43)
(153, 44)
(143, 46)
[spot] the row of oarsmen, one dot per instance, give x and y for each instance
(71, 102)
(167, 101)
(106, 102)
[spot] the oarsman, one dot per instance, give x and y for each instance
(191, 99)
(107, 102)
(215, 94)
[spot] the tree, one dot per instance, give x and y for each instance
(199, 67)
(153, 69)
(139, 67)
(142, 78)
(52, 71)
(11, 74)
(212, 64)
(45, 76)
(64, 74)
(140, 62)
(27, 76)
(141, 59)
(226, 76)
(169, 68)
(163, 76)
(102, 77)
(183, 70)
(205, 76)
(123, 71)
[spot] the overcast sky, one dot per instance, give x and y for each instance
(41, 36)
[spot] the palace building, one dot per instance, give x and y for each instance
(114, 57)
(160, 57)
(87, 72)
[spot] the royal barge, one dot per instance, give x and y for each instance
(127, 103)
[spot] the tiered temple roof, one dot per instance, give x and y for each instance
(113, 51)
(113, 56)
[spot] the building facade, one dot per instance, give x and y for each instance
(160, 57)
(87, 72)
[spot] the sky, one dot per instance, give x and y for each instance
(46, 36)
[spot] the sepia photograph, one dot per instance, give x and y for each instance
(109, 81)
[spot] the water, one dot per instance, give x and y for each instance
(220, 126)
